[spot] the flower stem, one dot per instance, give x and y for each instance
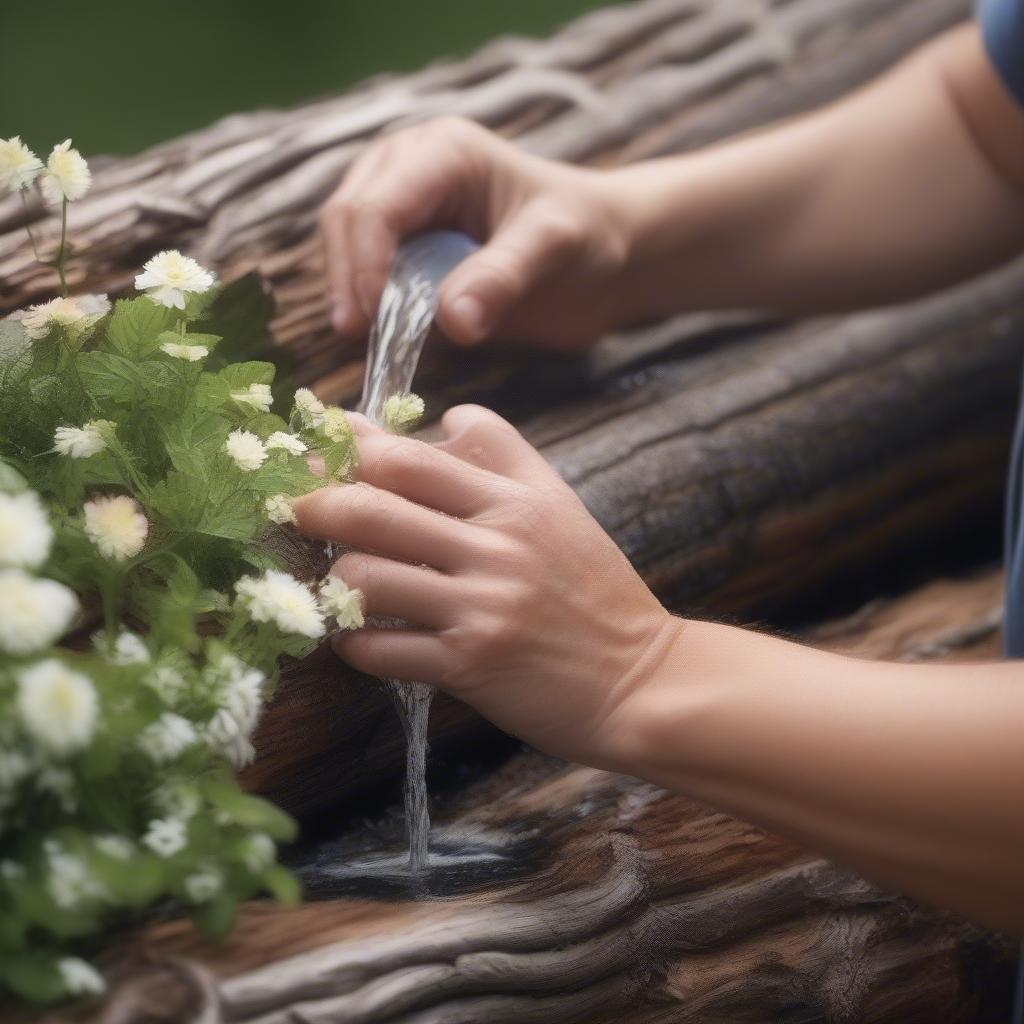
(63, 242)
(28, 230)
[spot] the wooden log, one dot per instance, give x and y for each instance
(606, 900)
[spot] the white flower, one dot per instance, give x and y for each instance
(402, 412)
(335, 424)
(165, 836)
(224, 735)
(178, 800)
(70, 881)
(289, 442)
(58, 707)
(279, 598)
(191, 353)
(258, 852)
(25, 531)
(167, 738)
(114, 846)
(345, 604)
(240, 692)
(80, 978)
(168, 682)
(67, 174)
(257, 395)
(12, 870)
(279, 509)
(168, 276)
(76, 314)
(19, 166)
(130, 649)
(33, 612)
(309, 407)
(246, 449)
(83, 442)
(204, 884)
(116, 526)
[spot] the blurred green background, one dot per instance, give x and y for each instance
(119, 76)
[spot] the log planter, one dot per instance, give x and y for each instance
(748, 467)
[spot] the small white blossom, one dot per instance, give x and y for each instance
(116, 526)
(256, 395)
(279, 509)
(201, 886)
(19, 166)
(402, 412)
(177, 800)
(67, 175)
(190, 353)
(165, 836)
(310, 409)
(258, 852)
(335, 424)
(70, 881)
(224, 734)
(344, 603)
(80, 978)
(130, 649)
(76, 315)
(83, 442)
(167, 738)
(169, 276)
(57, 706)
(289, 442)
(246, 449)
(33, 612)
(279, 598)
(25, 531)
(115, 847)
(239, 690)
(12, 870)
(168, 682)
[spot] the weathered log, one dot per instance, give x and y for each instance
(607, 900)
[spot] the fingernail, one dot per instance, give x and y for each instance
(469, 312)
(339, 316)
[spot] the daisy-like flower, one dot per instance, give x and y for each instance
(67, 175)
(57, 706)
(167, 738)
(177, 800)
(335, 424)
(258, 852)
(80, 978)
(76, 315)
(190, 353)
(168, 277)
(256, 395)
(201, 886)
(309, 408)
(114, 846)
(130, 649)
(33, 612)
(165, 836)
(344, 603)
(25, 531)
(246, 449)
(83, 442)
(70, 881)
(279, 509)
(279, 598)
(289, 442)
(402, 412)
(224, 735)
(116, 526)
(168, 682)
(19, 166)
(239, 690)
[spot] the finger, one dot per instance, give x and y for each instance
(484, 289)
(405, 654)
(481, 437)
(400, 591)
(346, 312)
(426, 475)
(370, 519)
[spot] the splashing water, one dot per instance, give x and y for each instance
(404, 317)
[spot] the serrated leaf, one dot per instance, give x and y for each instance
(239, 376)
(136, 325)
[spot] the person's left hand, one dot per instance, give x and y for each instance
(516, 600)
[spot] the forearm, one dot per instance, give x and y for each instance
(887, 194)
(913, 775)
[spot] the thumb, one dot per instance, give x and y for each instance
(485, 289)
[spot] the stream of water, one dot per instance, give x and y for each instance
(403, 321)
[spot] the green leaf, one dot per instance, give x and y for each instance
(240, 375)
(33, 976)
(216, 918)
(136, 325)
(282, 885)
(250, 811)
(10, 479)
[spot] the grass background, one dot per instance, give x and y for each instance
(119, 76)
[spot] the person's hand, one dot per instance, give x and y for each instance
(553, 239)
(517, 601)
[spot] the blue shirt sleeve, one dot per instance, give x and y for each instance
(1002, 28)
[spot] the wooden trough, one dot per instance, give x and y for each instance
(748, 467)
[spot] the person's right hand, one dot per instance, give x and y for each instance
(553, 239)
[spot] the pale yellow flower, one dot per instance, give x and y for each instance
(279, 509)
(246, 449)
(19, 166)
(190, 353)
(116, 526)
(76, 315)
(168, 277)
(343, 602)
(57, 706)
(402, 412)
(67, 175)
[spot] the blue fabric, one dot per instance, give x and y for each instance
(1002, 27)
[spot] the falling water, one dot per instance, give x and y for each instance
(406, 311)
